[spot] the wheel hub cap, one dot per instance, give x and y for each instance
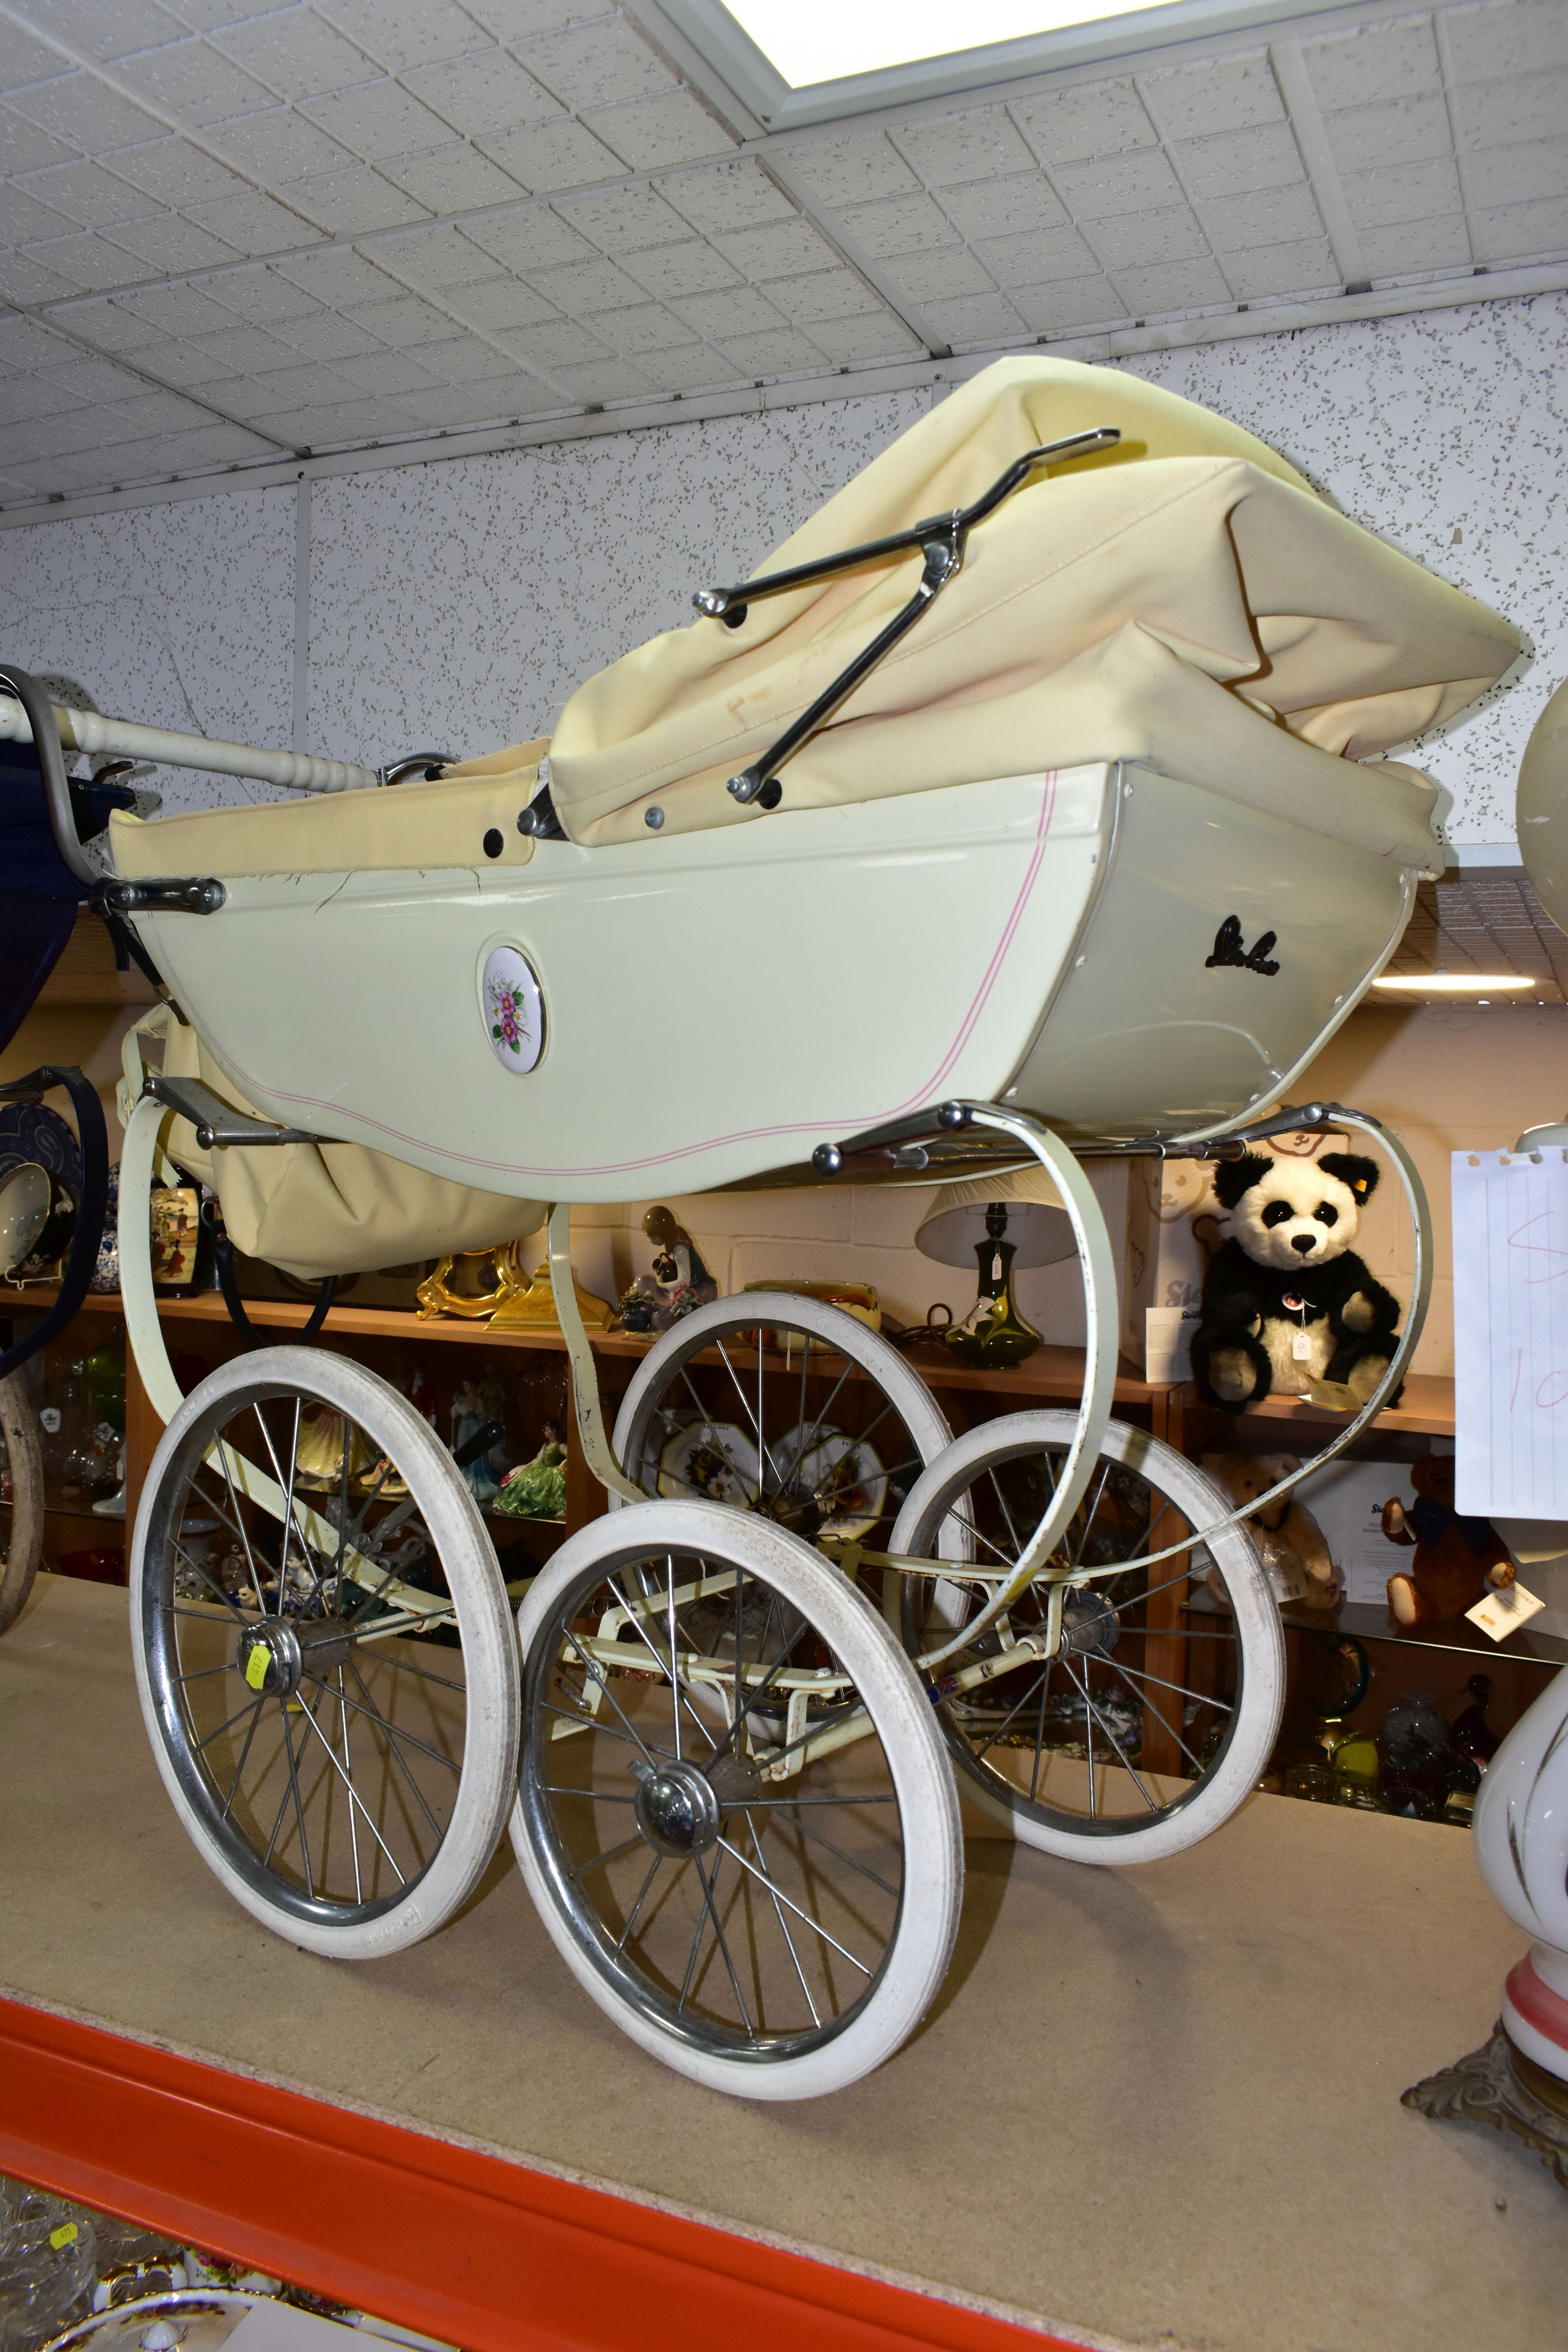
(677, 1809)
(1089, 1626)
(269, 1658)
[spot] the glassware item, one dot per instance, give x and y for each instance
(994, 1334)
(1469, 1732)
(104, 1373)
(66, 1424)
(1358, 1772)
(48, 2266)
(1418, 1759)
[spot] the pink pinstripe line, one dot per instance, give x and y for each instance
(744, 1134)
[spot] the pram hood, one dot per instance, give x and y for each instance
(1164, 602)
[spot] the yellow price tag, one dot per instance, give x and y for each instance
(66, 2235)
(255, 1665)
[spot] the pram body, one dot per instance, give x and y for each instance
(1044, 884)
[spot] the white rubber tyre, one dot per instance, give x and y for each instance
(332, 1922)
(22, 1515)
(916, 1955)
(1200, 1807)
(839, 1333)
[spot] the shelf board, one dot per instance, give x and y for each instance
(1367, 1623)
(1427, 1409)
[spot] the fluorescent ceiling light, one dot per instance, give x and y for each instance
(1452, 984)
(812, 41)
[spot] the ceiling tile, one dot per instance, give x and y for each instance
(353, 202)
(489, 91)
(596, 285)
(1414, 192)
(524, 20)
(787, 250)
(1226, 94)
(1040, 257)
(530, 238)
(385, 373)
(25, 148)
(598, 64)
(673, 128)
(194, 80)
(175, 171)
(735, 310)
(168, 245)
(1133, 239)
(1235, 160)
(691, 368)
(498, 302)
(1267, 217)
(1442, 244)
(1376, 61)
(673, 270)
(1073, 126)
(452, 179)
(404, 324)
(93, 380)
(466, 360)
(1405, 131)
(323, 335)
(963, 147)
(1172, 286)
(853, 171)
(376, 118)
(824, 294)
(1520, 36)
(294, 52)
(622, 220)
(278, 145)
(79, 108)
(243, 350)
(435, 258)
(560, 342)
(190, 365)
(336, 279)
(84, 260)
(253, 224)
(399, 34)
(1496, 113)
(782, 353)
(1119, 183)
(973, 319)
(23, 60)
(178, 311)
(1510, 232)
(647, 327)
(923, 277)
(23, 218)
(1056, 309)
(308, 383)
(728, 195)
(1004, 207)
(1306, 267)
(22, 279)
(610, 379)
(263, 295)
(88, 197)
(560, 154)
(1500, 175)
(107, 324)
(915, 223)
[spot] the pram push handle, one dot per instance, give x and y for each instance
(22, 721)
(941, 538)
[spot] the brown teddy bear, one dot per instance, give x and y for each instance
(1294, 1552)
(1458, 1560)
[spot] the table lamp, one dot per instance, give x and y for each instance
(1004, 1223)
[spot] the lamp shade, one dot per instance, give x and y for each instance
(1037, 1226)
(1543, 808)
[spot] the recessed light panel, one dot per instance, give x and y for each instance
(811, 41)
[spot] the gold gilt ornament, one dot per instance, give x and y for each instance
(493, 1286)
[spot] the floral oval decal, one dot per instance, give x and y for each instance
(514, 1009)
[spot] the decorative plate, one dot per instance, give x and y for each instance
(714, 1460)
(846, 1477)
(513, 1010)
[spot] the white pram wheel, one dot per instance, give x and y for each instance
(1051, 1748)
(21, 1500)
(807, 1417)
(334, 1710)
(771, 1910)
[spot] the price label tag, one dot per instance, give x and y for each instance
(64, 2236)
(1301, 1347)
(1503, 1613)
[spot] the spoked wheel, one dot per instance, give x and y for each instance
(21, 1500)
(323, 1654)
(787, 1408)
(1161, 1706)
(761, 1891)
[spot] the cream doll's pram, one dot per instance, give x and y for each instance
(1039, 827)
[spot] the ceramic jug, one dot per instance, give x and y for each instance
(1521, 1844)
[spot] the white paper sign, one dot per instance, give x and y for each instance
(1511, 1334)
(1503, 1613)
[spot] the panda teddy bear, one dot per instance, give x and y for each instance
(1286, 1303)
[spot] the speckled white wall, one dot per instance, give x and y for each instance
(456, 606)
(1448, 433)
(178, 615)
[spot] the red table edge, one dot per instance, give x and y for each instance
(481, 2251)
